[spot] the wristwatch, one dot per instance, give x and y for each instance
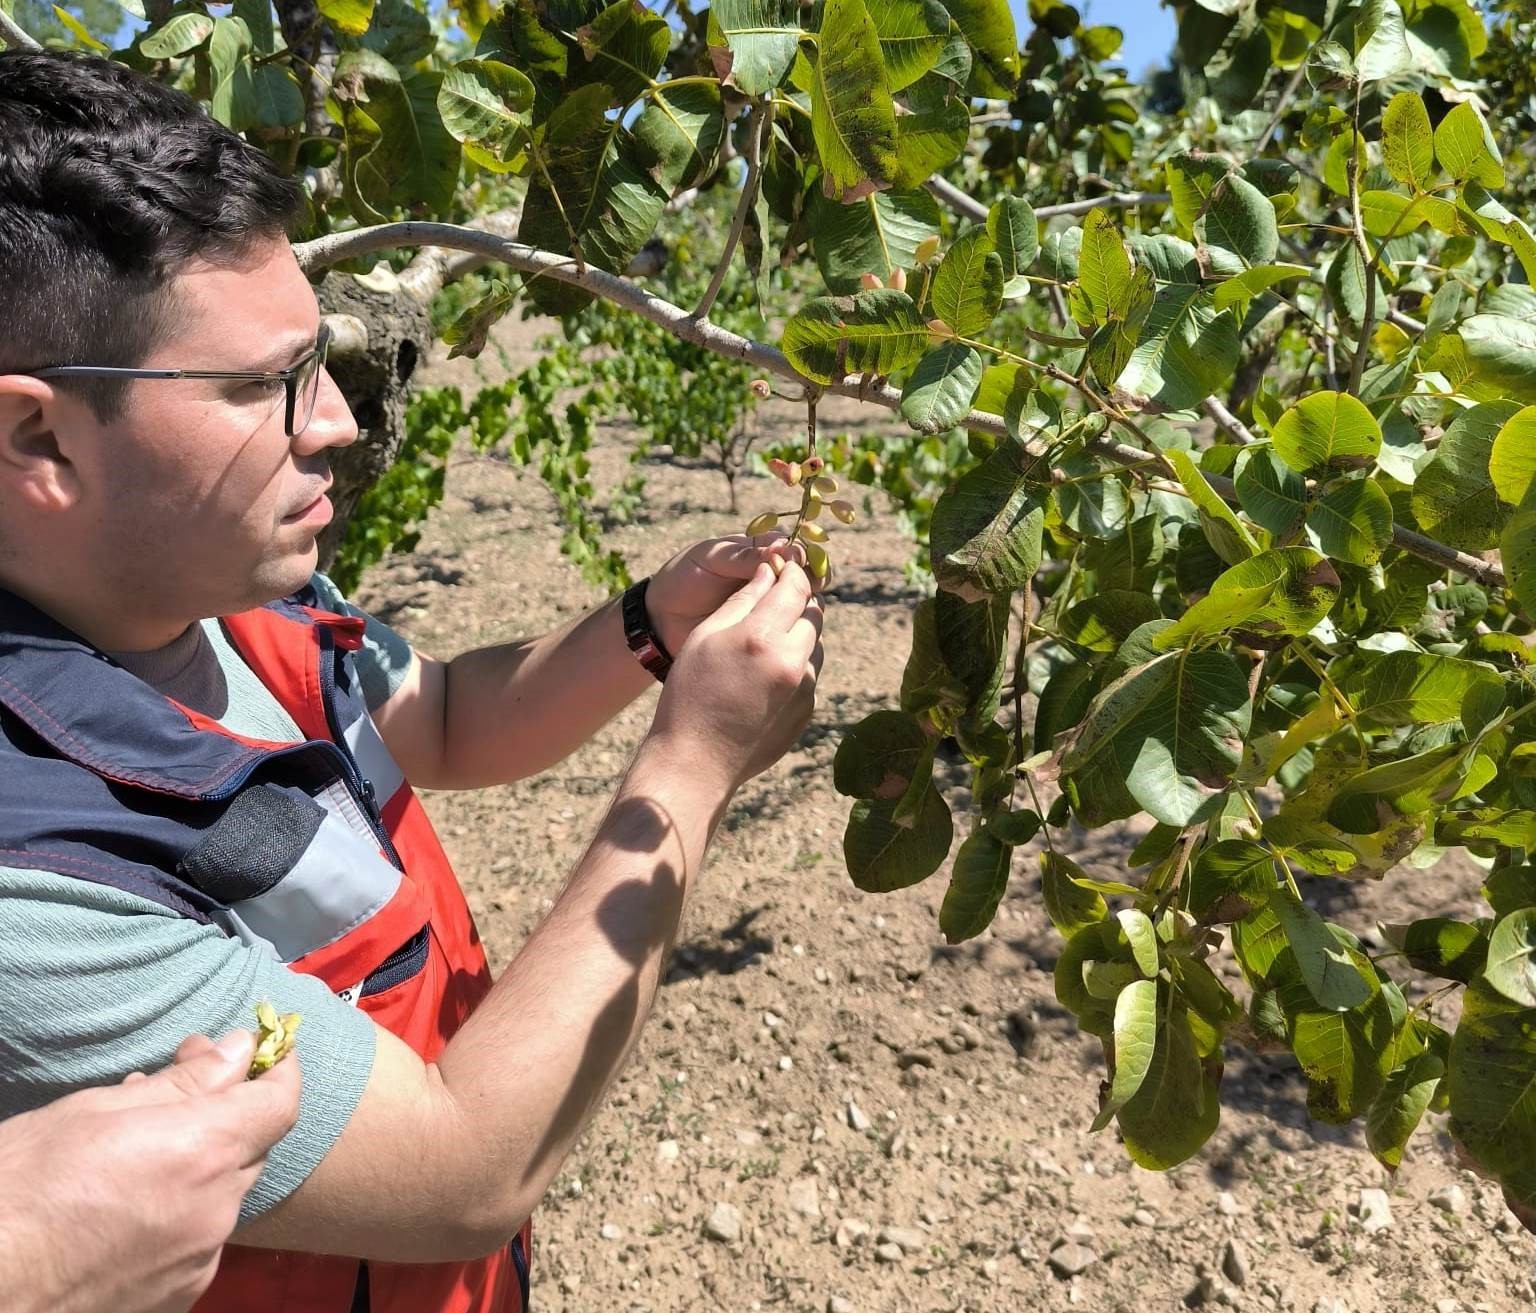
(642, 639)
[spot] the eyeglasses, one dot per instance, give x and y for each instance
(301, 381)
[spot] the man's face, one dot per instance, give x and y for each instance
(195, 492)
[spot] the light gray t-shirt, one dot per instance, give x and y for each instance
(96, 983)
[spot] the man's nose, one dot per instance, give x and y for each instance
(332, 424)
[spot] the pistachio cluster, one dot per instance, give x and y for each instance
(815, 487)
(275, 1037)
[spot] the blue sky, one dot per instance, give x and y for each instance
(1148, 28)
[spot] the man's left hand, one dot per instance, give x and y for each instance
(694, 583)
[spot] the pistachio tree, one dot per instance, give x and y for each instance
(1244, 541)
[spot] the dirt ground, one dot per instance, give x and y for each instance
(890, 1123)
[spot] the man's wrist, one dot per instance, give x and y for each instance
(640, 635)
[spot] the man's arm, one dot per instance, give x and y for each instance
(446, 1160)
(506, 712)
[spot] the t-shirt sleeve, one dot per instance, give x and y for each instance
(385, 658)
(96, 983)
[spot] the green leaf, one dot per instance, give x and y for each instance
(349, 16)
(683, 128)
(762, 37)
(976, 886)
(1352, 522)
(879, 756)
(1136, 926)
(928, 141)
(877, 235)
(80, 31)
(1396, 1111)
(1500, 356)
(1135, 1043)
(179, 35)
(939, 392)
(1070, 901)
(1327, 968)
(244, 95)
(1228, 536)
(1491, 1081)
(482, 100)
(1346, 1055)
(1272, 494)
(1192, 180)
(1239, 218)
(1327, 428)
(852, 118)
(883, 856)
(1185, 349)
(1229, 880)
(875, 332)
(968, 286)
(971, 637)
(1239, 290)
(1391, 214)
(1176, 1108)
(1454, 498)
(912, 34)
(1517, 548)
(1407, 140)
(1511, 966)
(988, 29)
(1418, 688)
(1386, 51)
(1441, 946)
(624, 47)
(1279, 593)
(1104, 267)
(416, 161)
(1407, 786)
(1168, 734)
(986, 531)
(1512, 461)
(1015, 235)
(1466, 149)
(1102, 622)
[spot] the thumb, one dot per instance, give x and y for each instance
(203, 1068)
(739, 605)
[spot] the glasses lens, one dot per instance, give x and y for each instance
(307, 387)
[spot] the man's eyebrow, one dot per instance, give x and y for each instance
(286, 354)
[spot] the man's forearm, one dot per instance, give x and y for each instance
(533, 1061)
(516, 709)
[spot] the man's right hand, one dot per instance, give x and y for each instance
(119, 1199)
(743, 688)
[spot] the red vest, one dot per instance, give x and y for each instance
(290, 657)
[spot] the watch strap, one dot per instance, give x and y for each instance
(642, 639)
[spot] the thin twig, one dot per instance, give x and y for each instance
(1368, 262)
(1227, 421)
(334, 248)
(759, 124)
(1283, 104)
(968, 207)
(13, 36)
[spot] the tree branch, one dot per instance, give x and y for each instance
(1368, 263)
(1227, 421)
(968, 207)
(759, 124)
(13, 36)
(325, 251)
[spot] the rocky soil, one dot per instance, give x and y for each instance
(833, 1110)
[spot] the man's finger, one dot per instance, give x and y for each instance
(258, 1112)
(805, 634)
(734, 560)
(785, 603)
(209, 1068)
(739, 605)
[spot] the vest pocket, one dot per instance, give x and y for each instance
(405, 963)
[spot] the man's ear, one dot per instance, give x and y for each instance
(35, 468)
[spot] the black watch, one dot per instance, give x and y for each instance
(642, 639)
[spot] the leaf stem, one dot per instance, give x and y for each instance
(759, 124)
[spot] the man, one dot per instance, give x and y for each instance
(198, 813)
(138, 1241)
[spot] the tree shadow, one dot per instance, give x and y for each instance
(723, 954)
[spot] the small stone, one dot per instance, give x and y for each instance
(821, 978)
(803, 1198)
(857, 1117)
(951, 1044)
(574, 1187)
(570, 1283)
(1447, 1306)
(724, 1224)
(1234, 1263)
(786, 1063)
(1329, 1305)
(911, 1240)
(1204, 1290)
(1079, 1231)
(1070, 1259)
(1227, 1205)
(1375, 1210)
(990, 1267)
(889, 1253)
(501, 865)
(1144, 1217)
(1023, 1031)
(837, 1304)
(850, 1232)
(913, 1058)
(667, 1151)
(772, 1020)
(967, 1034)
(612, 1231)
(1449, 1199)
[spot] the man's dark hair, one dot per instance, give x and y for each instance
(109, 183)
